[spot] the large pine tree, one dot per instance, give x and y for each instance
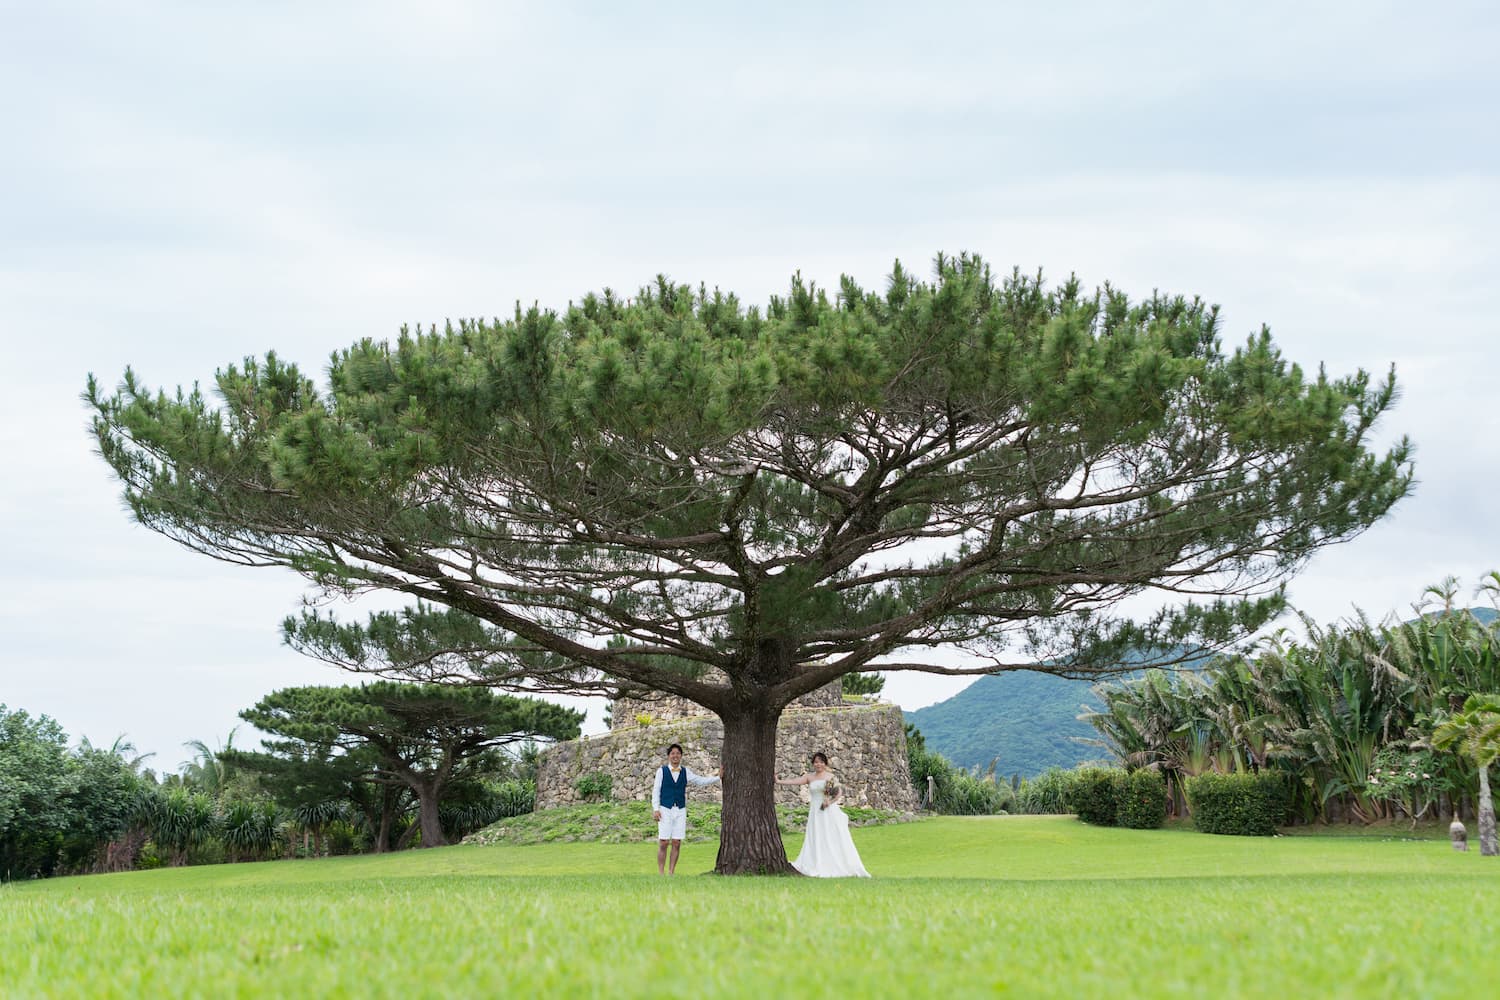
(737, 505)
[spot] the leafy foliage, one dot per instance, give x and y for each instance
(1409, 778)
(1142, 802)
(179, 820)
(59, 808)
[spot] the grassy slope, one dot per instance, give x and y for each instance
(1025, 905)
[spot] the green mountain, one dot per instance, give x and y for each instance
(1027, 720)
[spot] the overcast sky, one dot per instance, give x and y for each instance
(184, 185)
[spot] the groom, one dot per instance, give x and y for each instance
(669, 806)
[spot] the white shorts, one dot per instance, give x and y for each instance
(672, 825)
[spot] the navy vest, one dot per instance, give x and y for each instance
(673, 793)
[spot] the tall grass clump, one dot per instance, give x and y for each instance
(1047, 793)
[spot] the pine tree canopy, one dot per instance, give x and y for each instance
(739, 504)
(410, 722)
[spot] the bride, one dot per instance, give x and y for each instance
(828, 851)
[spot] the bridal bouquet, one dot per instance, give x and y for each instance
(830, 792)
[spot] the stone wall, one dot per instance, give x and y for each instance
(865, 744)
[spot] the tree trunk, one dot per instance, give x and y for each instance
(427, 814)
(1488, 847)
(389, 796)
(750, 842)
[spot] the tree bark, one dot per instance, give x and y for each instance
(427, 814)
(1488, 846)
(750, 841)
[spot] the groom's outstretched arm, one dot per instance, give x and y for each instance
(698, 779)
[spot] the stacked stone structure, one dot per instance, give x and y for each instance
(865, 743)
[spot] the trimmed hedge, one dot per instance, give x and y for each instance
(1142, 802)
(1248, 805)
(1096, 793)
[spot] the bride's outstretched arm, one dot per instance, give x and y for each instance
(792, 781)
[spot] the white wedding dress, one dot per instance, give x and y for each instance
(828, 851)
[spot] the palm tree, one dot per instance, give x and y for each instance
(210, 771)
(1475, 732)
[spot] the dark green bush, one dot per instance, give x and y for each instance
(1046, 794)
(1250, 805)
(1096, 793)
(1142, 804)
(595, 787)
(475, 806)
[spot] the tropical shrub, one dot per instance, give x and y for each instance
(515, 798)
(248, 828)
(1244, 804)
(1142, 802)
(180, 821)
(1410, 779)
(1095, 794)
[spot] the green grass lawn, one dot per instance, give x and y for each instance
(1019, 906)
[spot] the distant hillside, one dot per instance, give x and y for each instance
(1026, 719)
